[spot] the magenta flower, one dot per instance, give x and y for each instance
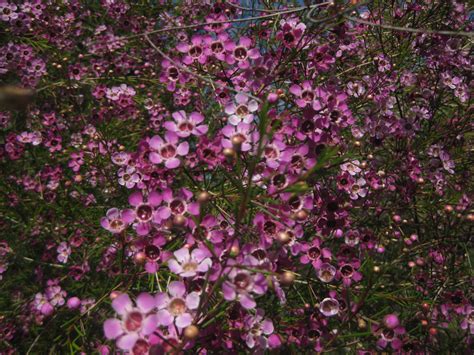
(307, 96)
(144, 210)
(314, 254)
(257, 330)
(175, 306)
(167, 151)
(197, 51)
(135, 323)
(242, 110)
(241, 52)
(185, 125)
(243, 131)
(63, 252)
(116, 221)
(241, 283)
(291, 32)
(187, 264)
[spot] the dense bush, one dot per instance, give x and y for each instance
(235, 177)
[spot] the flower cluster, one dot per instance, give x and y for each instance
(236, 178)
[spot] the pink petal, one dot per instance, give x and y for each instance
(154, 198)
(127, 341)
(184, 320)
(155, 158)
(174, 266)
(192, 300)
(149, 324)
(182, 255)
(145, 302)
(176, 289)
(112, 328)
(156, 142)
(161, 300)
(183, 148)
(295, 90)
(172, 163)
(135, 198)
(164, 317)
(122, 304)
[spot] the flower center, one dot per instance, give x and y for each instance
(307, 95)
(168, 151)
(173, 73)
(186, 126)
(177, 306)
(144, 212)
(133, 321)
(347, 271)
(240, 53)
(242, 281)
(152, 252)
(195, 51)
(271, 152)
(190, 266)
(288, 37)
(217, 47)
(279, 180)
(177, 206)
(329, 306)
(141, 347)
(314, 253)
(242, 110)
(116, 224)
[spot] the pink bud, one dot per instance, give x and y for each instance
(73, 303)
(391, 321)
(272, 98)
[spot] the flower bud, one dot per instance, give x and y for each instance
(287, 278)
(391, 321)
(191, 332)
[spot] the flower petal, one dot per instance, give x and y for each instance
(112, 328)
(184, 320)
(122, 304)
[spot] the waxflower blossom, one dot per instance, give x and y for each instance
(144, 210)
(176, 306)
(136, 322)
(241, 52)
(186, 264)
(167, 151)
(242, 110)
(266, 176)
(116, 221)
(243, 283)
(257, 330)
(186, 125)
(63, 252)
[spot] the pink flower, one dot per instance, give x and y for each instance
(241, 53)
(116, 221)
(242, 110)
(144, 210)
(188, 264)
(242, 283)
(175, 306)
(167, 151)
(197, 51)
(135, 323)
(184, 125)
(242, 131)
(63, 252)
(257, 330)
